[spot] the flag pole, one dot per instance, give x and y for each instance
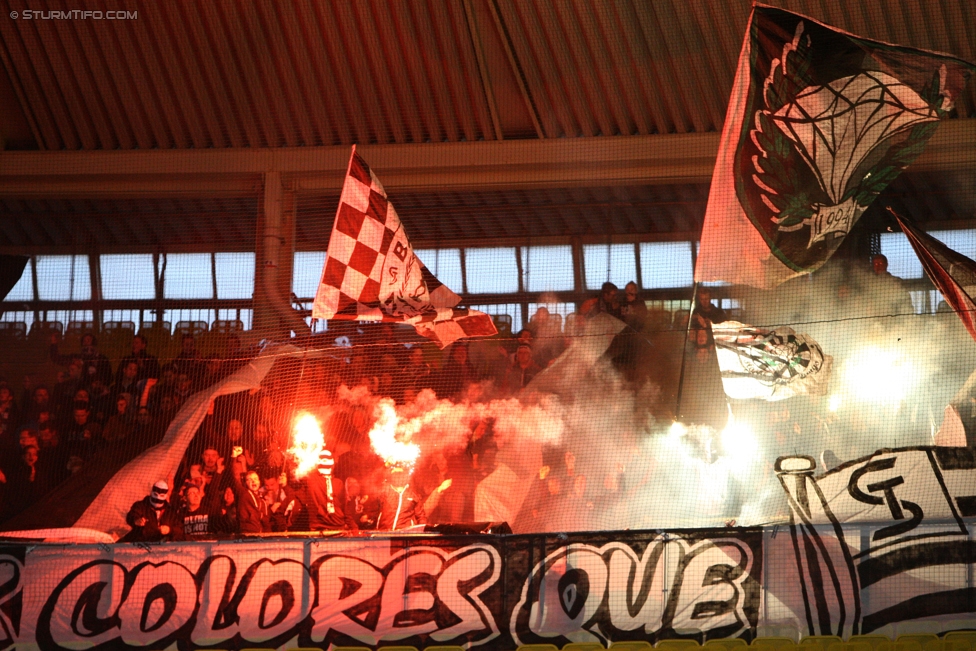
(684, 351)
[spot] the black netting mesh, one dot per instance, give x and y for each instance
(631, 456)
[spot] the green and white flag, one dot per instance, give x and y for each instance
(819, 122)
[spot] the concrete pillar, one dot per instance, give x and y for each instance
(274, 316)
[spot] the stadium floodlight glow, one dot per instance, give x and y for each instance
(879, 376)
(307, 443)
(739, 442)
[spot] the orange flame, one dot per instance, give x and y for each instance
(383, 437)
(307, 443)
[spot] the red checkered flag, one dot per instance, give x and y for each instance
(372, 274)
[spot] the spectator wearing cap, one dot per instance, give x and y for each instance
(522, 370)
(153, 518)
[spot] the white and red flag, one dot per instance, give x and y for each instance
(953, 273)
(372, 273)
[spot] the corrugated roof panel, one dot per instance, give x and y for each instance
(265, 74)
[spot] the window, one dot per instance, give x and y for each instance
(24, 289)
(666, 265)
(902, 261)
(961, 241)
(175, 316)
(23, 317)
(67, 316)
(547, 269)
(445, 264)
(245, 316)
(307, 273)
(491, 271)
(128, 276)
(235, 274)
(63, 278)
(188, 275)
(609, 262)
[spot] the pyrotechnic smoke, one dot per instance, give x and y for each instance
(585, 449)
(394, 447)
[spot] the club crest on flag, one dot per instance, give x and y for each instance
(372, 273)
(770, 364)
(819, 123)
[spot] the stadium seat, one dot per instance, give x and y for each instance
(44, 329)
(960, 626)
(117, 327)
(503, 323)
(78, 328)
(445, 647)
(575, 646)
(397, 648)
(921, 638)
(819, 642)
(13, 329)
(156, 326)
(968, 636)
(631, 645)
(350, 648)
(195, 328)
(774, 643)
(535, 647)
(778, 630)
(725, 644)
(948, 644)
(851, 646)
(873, 640)
(678, 645)
(902, 645)
(229, 326)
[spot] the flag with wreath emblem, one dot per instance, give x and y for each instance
(819, 123)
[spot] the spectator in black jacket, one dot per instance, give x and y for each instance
(94, 364)
(153, 518)
(252, 510)
(147, 365)
(197, 521)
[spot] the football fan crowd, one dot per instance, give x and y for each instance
(238, 474)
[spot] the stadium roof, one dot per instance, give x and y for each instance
(486, 119)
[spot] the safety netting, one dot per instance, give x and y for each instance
(505, 434)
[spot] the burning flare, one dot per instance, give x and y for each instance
(307, 443)
(383, 437)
